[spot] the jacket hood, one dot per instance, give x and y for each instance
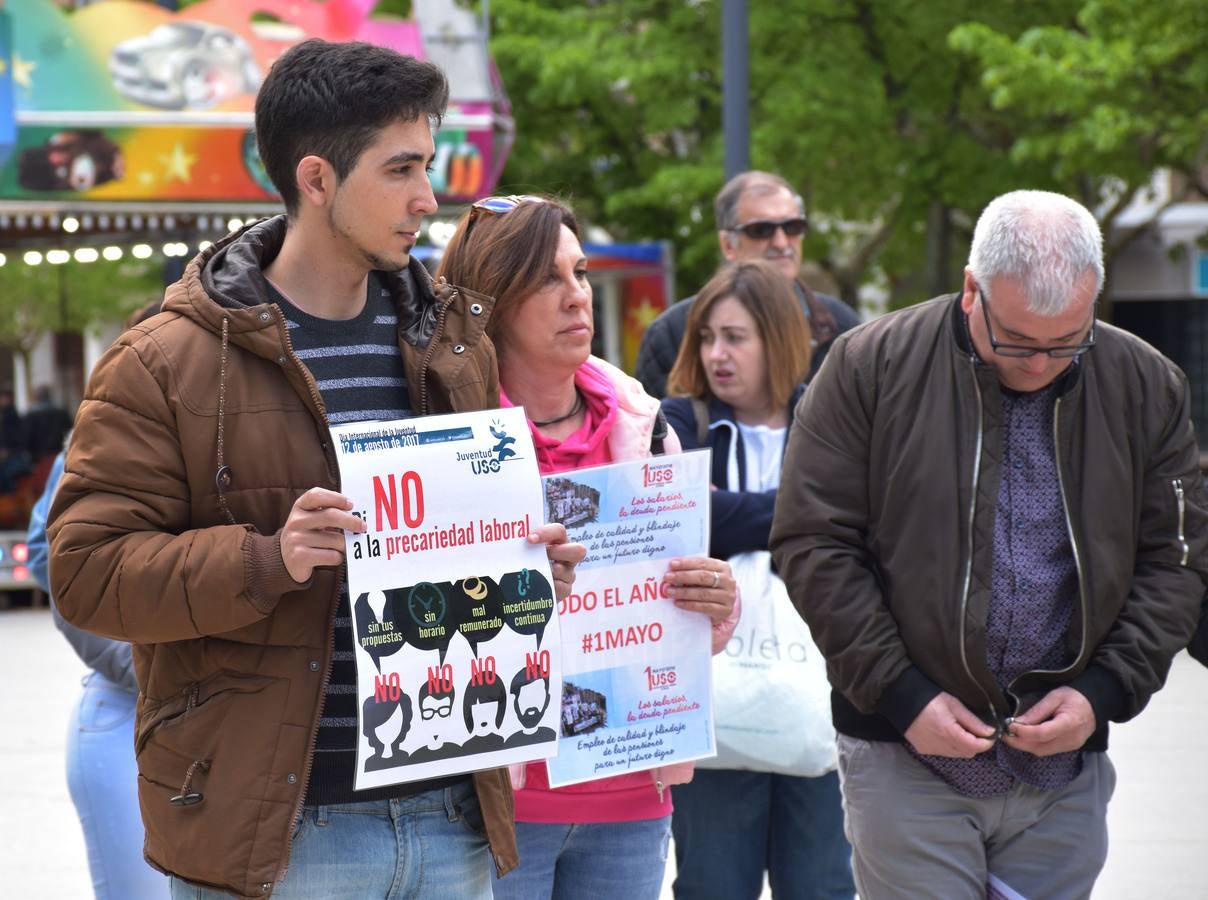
(633, 429)
(224, 291)
(226, 281)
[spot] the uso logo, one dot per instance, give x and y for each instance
(657, 475)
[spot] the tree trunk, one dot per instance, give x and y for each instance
(938, 275)
(27, 374)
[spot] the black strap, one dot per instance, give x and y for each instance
(701, 413)
(659, 435)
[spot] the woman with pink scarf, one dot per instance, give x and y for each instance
(610, 837)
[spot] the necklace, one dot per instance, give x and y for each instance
(574, 411)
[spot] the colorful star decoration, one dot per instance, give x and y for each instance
(178, 164)
(645, 313)
(23, 71)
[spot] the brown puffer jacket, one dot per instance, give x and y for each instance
(202, 407)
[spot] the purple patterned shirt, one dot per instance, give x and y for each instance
(1034, 585)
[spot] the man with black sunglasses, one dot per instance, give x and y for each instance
(992, 517)
(759, 216)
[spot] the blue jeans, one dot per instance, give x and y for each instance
(103, 782)
(731, 826)
(427, 847)
(603, 861)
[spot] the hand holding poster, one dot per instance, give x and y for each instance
(457, 646)
(637, 667)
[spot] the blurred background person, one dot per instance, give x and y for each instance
(738, 376)
(102, 777)
(14, 460)
(46, 424)
(759, 215)
(607, 838)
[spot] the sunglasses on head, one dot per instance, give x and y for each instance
(762, 230)
(503, 204)
(497, 206)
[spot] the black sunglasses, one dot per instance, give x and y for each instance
(1022, 351)
(763, 229)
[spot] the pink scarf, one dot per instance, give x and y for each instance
(587, 446)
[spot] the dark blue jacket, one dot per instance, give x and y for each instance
(741, 520)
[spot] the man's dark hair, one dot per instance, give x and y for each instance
(437, 693)
(331, 100)
(523, 677)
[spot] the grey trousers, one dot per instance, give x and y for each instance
(914, 836)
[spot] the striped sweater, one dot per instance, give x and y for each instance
(359, 372)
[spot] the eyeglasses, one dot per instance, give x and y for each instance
(1021, 351)
(763, 229)
(429, 712)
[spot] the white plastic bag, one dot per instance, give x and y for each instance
(771, 699)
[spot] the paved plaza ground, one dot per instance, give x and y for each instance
(1158, 818)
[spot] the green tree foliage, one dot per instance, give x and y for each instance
(1105, 103)
(861, 103)
(35, 300)
(898, 121)
(618, 108)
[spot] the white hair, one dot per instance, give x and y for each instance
(1045, 242)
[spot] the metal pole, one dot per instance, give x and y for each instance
(734, 85)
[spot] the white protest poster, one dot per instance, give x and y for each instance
(636, 667)
(457, 650)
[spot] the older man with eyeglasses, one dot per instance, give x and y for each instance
(759, 216)
(992, 517)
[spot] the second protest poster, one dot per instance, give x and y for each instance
(636, 667)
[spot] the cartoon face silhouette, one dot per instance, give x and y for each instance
(483, 715)
(434, 706)
(484, 704)
(531, 701)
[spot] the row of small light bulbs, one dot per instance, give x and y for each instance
(112, 253)
(104, 221)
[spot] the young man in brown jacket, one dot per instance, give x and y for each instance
(200, 516)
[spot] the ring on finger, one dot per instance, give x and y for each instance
(716, 579)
